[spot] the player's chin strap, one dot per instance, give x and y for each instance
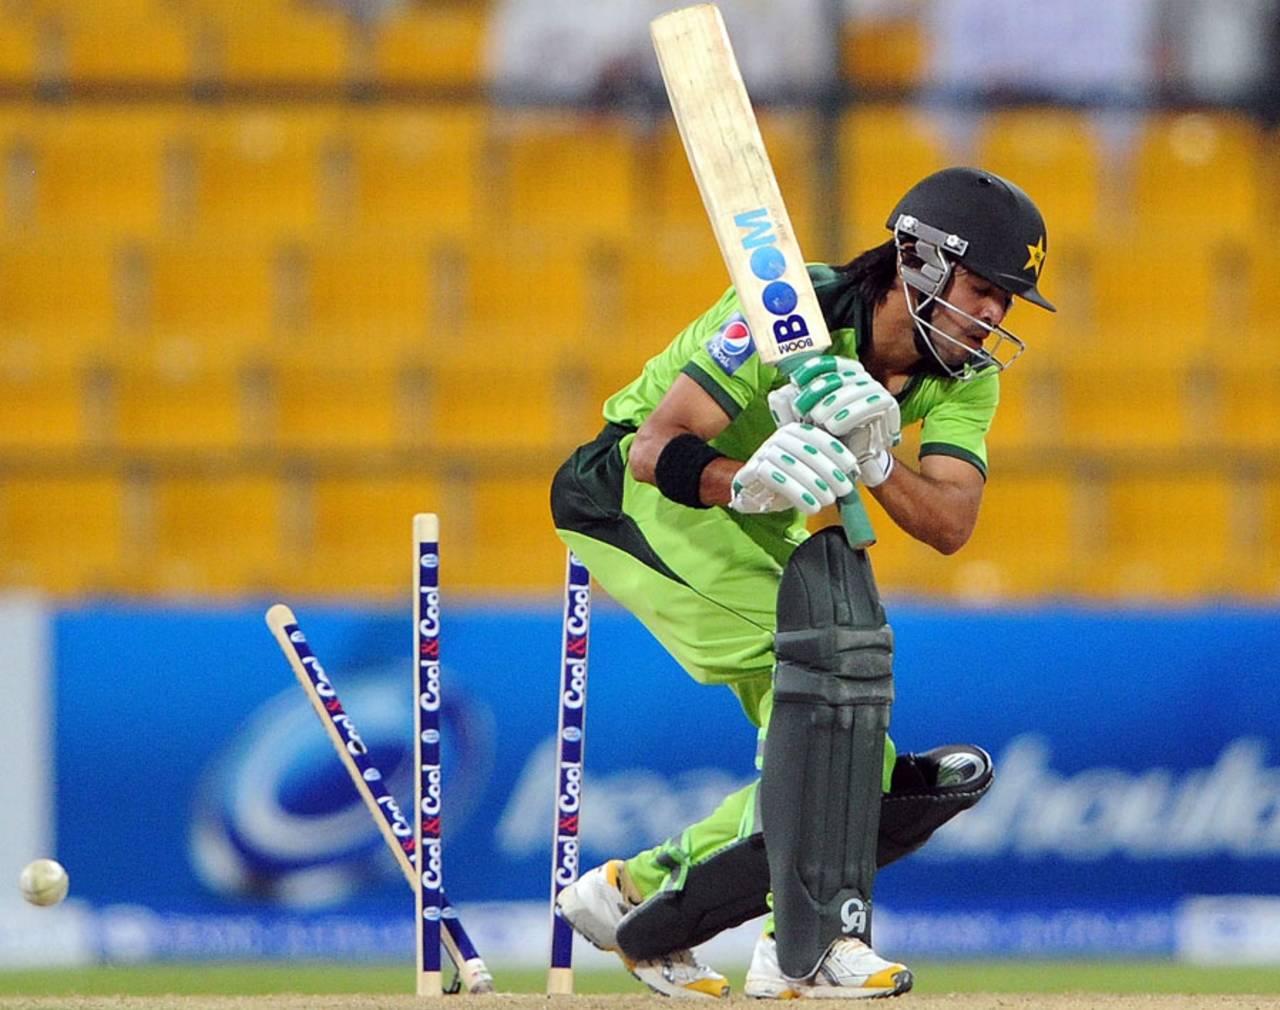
(925, 268)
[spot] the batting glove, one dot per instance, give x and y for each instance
(799, 466)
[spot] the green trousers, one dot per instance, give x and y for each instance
(704, 582)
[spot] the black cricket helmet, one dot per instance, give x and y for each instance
(987, 224)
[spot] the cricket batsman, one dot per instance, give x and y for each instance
(689, 508)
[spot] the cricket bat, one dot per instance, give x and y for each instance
(729, 161)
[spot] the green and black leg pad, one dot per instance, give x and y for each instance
(732, 886)
(823, 757)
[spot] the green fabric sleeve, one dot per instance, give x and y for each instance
(957, 425)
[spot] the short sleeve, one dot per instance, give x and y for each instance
(958, 424)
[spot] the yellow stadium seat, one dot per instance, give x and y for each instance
(1268, 517)
(358, 534)
(214, 533)
(340, 405)
(17, 156)
(791, 140)
(508, 517)
(104, 169)
(565, 175)
(61, 294)
(19, 48)
(1248, 403)
(263, 171)
(500, 405)
(436, 43)
(62, 533)
(1263, 297)
(1167, 537)
(533, 296)
(101, 44)
(418, 171)
(300, 43)
(1052, 155)
(884, 50)
(177, 396)
(1133, 408)
(663, 288)
(106, 8)
(45, 403)
(370, 298)
(1023, 543)
(1151, 303)
(1198, 179)
(883, 150)
(220, 295)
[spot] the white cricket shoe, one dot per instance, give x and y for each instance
(850, 970)
(594, 905)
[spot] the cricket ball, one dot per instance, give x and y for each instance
(44, 882)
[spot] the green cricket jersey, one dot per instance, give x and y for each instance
(716, 351)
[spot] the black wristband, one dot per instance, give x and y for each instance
(678, 472)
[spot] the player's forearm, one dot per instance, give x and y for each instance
(715, 485)
(935, 512)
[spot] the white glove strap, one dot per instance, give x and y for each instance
(875, 470)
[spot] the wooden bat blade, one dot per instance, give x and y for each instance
(731, 165)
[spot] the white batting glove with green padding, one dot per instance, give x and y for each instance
(838, 394)
(844, 396)
(798, 466)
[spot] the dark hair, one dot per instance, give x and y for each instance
(873, 272)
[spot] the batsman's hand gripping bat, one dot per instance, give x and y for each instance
(750, 221)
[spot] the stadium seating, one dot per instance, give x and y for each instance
(661, 289)
(1247, 403)
(175, 397)
(36, 511)
(1198, 179)
(563, 176)
(508, 517)
(273, 43)
(329, 407)
(1138, 408)
(332, 310)
(132, 43)
(213, 532)
(264, 171)
(61, 294)
(503, 406)
(104, 169)
(417, 171)
(45, 403)
(353, 529)
(1024, 542)
(372, 299)
(19, 49)
(532, 297)
(1167, 536)
(223, 295)
(430, 43)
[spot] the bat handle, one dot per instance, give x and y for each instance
(857, 524)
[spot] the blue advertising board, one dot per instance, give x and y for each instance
(1134, 768)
